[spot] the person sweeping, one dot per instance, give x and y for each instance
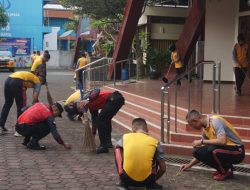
(109, 103)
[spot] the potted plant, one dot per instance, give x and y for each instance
(155, 62)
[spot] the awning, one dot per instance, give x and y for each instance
(89, 34)
(68, 35)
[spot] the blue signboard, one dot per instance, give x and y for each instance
(18, 46)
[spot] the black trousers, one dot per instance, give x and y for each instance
(37, 132)
(240, 75)
(13, 90)
(221, 158)
(180, 71)
(103, 120)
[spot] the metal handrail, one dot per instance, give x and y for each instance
(166, 87)
(83, 72)
(93, 63)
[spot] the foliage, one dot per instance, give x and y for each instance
(72, 24)
(97, 9)
(4, 19)
(156, 60)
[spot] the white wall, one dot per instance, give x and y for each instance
(220, 32)
(50, 40)
(60, 59)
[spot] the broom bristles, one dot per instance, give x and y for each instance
(88, 138)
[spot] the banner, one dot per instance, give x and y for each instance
(17, 46)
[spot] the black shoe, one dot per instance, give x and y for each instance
(121, 184)
(110, 145)
(178, 83)
(154, 186)
(238, 93)
(101, 150)
(26, 140)
(35, 146)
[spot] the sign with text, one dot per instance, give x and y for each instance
(18, 46)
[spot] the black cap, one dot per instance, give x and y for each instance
(60, 108)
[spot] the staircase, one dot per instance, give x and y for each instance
(180, 141)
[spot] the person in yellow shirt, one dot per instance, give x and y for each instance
(82, 61)
(176, 60)
(68, 105)
(241, 60)
(33, 57)
(219, 147)
(15, 89)
(39, 61)
(137, 160)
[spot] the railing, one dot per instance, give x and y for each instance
(95, 74)
(165, 90)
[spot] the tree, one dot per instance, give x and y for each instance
(106, 15)
(4, 19)
(108, 9)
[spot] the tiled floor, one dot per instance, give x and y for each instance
(230, 103)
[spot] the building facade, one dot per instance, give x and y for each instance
(25, 21)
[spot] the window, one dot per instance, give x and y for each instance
(244, 5)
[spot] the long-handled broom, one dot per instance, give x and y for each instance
(88, 138)
(88, 144)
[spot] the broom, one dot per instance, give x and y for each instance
(88, 138)
(88, 144)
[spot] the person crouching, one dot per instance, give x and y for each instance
(37, 122)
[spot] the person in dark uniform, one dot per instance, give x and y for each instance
(241, 58)
(15, 89)
(38, 121)
(109, 103)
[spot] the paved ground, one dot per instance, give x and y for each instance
(57, 168)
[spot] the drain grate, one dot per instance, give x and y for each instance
(241, 168)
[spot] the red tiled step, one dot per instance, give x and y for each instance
(154, 106)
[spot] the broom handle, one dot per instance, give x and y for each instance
(169, 68)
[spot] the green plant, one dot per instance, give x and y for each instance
(156, 60)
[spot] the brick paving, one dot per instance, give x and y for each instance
(60, 169)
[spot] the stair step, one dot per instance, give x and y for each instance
(137, 106)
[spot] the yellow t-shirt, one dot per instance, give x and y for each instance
(33, 58)
(82, 62)
(138, 152)
(174, 58)
(224, 125)
(38, 61)
(29, 78)
(241, 54)
(73, 97)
